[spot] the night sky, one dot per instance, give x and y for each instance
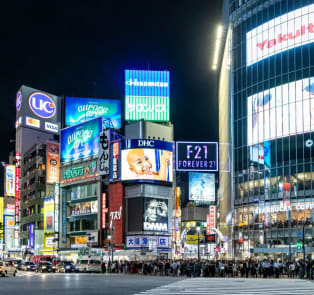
(81, 48)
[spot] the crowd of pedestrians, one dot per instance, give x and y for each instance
(267, 268)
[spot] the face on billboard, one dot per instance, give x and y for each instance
(147, 95)
(281, 111)
(156, 214)
(201, 187)
(287, 31)
(196, 156)
(78, 110)
(80, 141)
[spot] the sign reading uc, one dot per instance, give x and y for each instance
(42, 105)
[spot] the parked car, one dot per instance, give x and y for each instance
(45, 267)
(89, 264)
(28, 266)
(7, 268)
(66, 266)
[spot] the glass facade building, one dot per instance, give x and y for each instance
(271, 97)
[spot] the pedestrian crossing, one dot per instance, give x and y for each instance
(232, 286)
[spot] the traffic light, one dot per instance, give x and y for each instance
(299, 245)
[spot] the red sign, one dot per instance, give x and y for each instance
(104, 210)
(17, 186)
(207, 224)
(212, 218)
(116, 212)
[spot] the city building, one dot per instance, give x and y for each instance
(266, 86)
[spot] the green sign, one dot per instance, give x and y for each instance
(74, 172)
(147, 108)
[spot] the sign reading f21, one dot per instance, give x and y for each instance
(196, 156)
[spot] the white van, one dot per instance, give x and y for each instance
(89, 263)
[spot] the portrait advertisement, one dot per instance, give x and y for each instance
(146, 164)
(155, 214)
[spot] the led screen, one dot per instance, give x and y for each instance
(78, 110)
(287, 31)
(155, 214)
(81, 140)
(281, 111)
(147, 160)
(147, 95)
(201, 187)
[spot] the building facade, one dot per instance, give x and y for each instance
(268, 68)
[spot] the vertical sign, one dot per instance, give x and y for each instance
(17, 186)
(52, 168)
(115, 175)
(56, 226)
(10, 180)
(104, 153)
(104, 210)
(32, 235)
(64, 216)
(207, 224)
(212, 218)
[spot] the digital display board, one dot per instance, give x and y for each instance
(201, 187)
(282, 33)
(78, 110)
(281, 111)
(49, 213)
(53, 161)
(155, 214)
(10, 180)
(146, 160)
(147, 95)
(196, 156)
(38, 110)
(80, 141)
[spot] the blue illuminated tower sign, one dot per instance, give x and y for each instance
(147, 95)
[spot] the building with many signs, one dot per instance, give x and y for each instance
(265, 98)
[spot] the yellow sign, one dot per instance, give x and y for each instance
(192, 239)
(190, 224)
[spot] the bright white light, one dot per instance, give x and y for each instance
(217, 47)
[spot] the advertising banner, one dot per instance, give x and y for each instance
(115, 161)
(196, 156)
(80, 141)
(103, 163)
(53, 162)
(104, 210)
(49, 213)
(90, 207)
(9, 232)
(38, 110)
(147, 160)
(282, 33)
(32, 235)
(202, 187)
(212, 218)
(78, 110)
(1, 218)
(281, 111)
(17, 186)
(147, 95)
(10, 180)
(151, 242)
(80, 172)
(207, 224)
(64, 216)
(155, 214)
(116, 211)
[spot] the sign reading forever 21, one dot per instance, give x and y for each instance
(196, 156)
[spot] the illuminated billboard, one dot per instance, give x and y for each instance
(52, 168)
(146, 160)
(38, 110)
(282, 33)
(281, 111)
(147, 95)
(155, 214)
(10, 180)
(196, 156)
(49, 212)
(201, 187)
(80, 141)
(78, 110)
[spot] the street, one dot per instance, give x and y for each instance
(37, 283)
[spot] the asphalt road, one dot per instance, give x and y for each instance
(46, 284)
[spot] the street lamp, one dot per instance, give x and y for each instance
(198, 228)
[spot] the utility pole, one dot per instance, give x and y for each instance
(198, 228)
(303, 240)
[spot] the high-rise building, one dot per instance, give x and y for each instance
(266, 99)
